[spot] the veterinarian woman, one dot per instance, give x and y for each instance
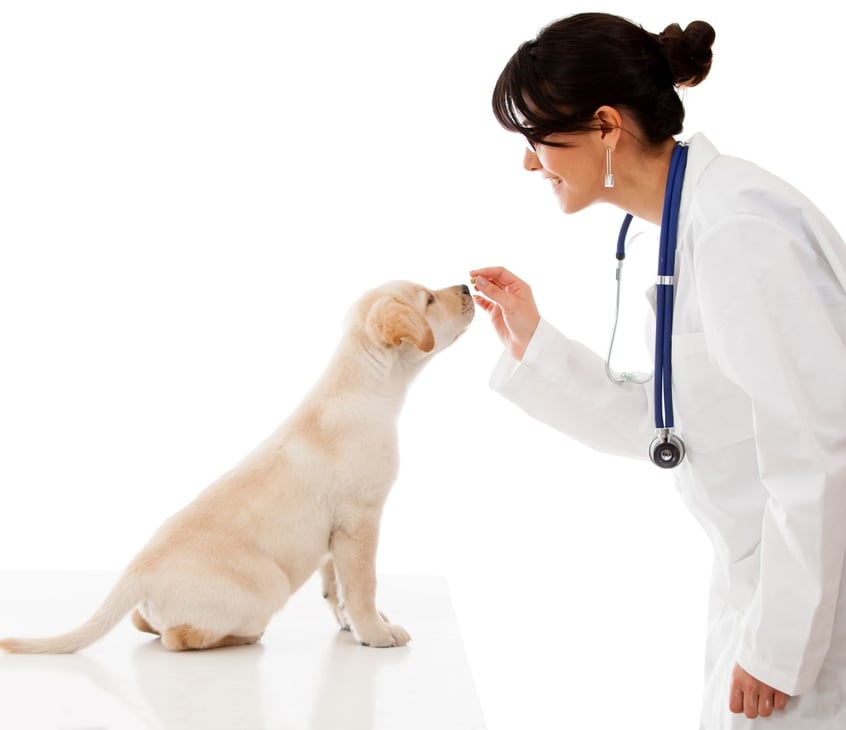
(757, 311)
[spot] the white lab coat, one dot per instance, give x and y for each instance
(759, 382)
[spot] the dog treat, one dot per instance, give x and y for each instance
(473, 280)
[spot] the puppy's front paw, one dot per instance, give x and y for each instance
(386, 635)
(341, 617)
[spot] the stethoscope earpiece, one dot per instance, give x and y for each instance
(666, 451)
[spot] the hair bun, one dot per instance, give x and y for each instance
(688, 52)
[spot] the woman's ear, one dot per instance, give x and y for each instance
(610, 125)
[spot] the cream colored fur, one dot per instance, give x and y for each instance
(310, 497)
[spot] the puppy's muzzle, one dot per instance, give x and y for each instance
(468, 306)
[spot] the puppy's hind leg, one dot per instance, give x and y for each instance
(141, 623)
(182, 638)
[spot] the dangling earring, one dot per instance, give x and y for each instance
(609, 176)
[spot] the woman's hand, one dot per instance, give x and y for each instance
(753, 697)
(510, 303)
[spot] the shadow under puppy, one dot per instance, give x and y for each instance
(310, 497)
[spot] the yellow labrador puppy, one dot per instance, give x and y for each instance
(310, 497)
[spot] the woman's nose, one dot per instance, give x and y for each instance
(531, 161)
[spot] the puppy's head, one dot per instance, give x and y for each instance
(413, 320)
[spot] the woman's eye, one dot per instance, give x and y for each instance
(430, 300)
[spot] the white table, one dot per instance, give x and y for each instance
(304, 675)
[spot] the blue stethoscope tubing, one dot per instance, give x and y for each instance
(667, 450)
(664, 290)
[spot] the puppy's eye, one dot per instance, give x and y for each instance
(431, 300)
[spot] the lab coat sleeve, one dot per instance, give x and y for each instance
(562, 383)
(772, 314)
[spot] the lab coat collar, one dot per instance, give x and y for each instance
(701, 153)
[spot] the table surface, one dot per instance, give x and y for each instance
(304, 675)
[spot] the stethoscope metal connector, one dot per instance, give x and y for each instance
(666, 450)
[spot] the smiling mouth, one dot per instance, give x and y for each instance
(555, 182)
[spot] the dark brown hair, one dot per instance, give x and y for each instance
(556, 82)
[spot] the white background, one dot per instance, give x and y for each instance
(191, 194)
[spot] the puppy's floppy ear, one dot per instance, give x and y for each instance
(390, 321)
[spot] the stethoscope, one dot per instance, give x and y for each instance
(666, 449)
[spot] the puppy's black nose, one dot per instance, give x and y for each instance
(465, 290)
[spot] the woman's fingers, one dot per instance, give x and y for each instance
(765, 704)
(503, 287)
(736, 699)
(753, 697)
(486, 304)
(498, 275)
(491, 290)
(750, 703)
(511, 305)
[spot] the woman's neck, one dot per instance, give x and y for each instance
(642, 181)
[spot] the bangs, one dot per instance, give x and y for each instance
(522, 104)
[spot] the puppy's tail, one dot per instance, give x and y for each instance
(127, 593)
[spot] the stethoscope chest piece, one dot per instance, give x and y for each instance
(666, 450)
